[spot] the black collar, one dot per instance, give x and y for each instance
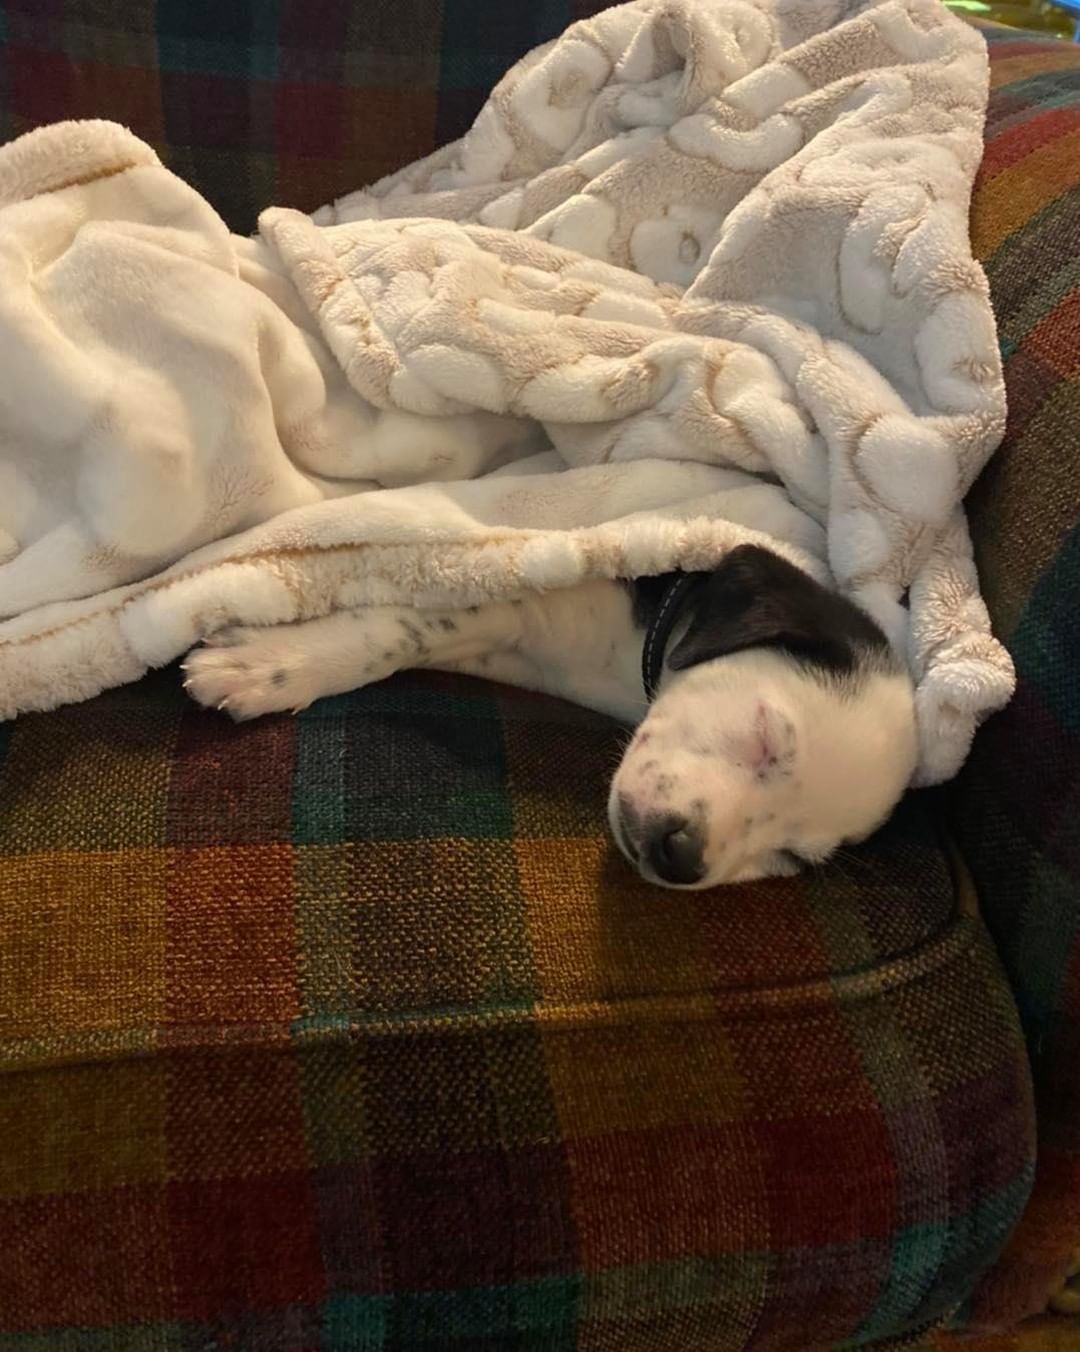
(660, 627)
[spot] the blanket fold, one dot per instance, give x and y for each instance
(699, 274)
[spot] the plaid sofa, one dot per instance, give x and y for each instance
(349, 1033)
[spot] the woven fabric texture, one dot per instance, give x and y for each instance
(1016, 808)
(268, 101)
(1037, 1335)
(350, 1031)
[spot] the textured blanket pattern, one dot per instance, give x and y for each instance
(685, 239)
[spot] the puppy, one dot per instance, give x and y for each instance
(775, 722)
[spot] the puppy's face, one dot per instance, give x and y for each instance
(784, 728)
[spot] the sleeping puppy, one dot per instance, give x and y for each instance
(775, 723)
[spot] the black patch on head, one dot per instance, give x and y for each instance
(756, 599)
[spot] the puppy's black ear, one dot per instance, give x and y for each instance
(756, 599)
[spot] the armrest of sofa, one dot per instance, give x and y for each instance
(1015, 808)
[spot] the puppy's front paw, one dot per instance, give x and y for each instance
(248, 672)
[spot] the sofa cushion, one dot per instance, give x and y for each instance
(356, 1022)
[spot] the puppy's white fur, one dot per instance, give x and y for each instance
(783, 767)
(772, 762)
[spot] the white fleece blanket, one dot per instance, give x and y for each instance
(700, 273)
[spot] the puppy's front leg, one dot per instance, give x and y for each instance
(248, 672)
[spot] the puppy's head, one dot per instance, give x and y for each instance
(784, 728)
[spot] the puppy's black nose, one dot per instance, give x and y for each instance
(673, 848)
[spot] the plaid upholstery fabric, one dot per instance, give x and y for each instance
(350, 1032)
(1016, 808)
(1042, 1335)
(268, 101)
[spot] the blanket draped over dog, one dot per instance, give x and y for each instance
(699, 274)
